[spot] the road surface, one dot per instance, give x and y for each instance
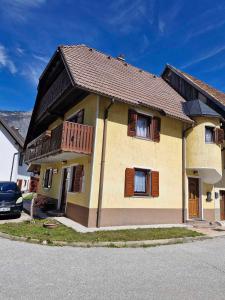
(183, 271)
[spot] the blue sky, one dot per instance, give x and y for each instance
(150, 33)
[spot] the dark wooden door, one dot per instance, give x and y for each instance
(193, 203)
(64, 191)
(222, 205)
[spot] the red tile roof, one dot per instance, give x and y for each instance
(111, 77)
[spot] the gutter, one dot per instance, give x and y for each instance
(102, 170)
(14, 155)
(184, 192)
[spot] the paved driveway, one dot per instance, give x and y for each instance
(188, 271)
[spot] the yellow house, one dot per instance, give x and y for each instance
(117, 145)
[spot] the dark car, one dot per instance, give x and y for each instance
(11, 201)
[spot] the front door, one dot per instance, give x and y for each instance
(222, 205)
(64, 190)
(193, 201)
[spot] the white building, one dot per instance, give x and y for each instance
(12, 165)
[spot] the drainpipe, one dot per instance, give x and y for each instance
(102, 170)
(184, 209)
(14, 155)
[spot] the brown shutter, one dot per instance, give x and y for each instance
(219, 136)
(156, 124)
(155, 184)
(132, 121)
(77, 179)
(129, 182)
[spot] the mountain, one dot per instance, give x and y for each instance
(17, 119)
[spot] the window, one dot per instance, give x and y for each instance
(209, 134)
(143, 126)
(78, 117)
(140, 125)
(47, 182)
(141, 182)
(77, 179)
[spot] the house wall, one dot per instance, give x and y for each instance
(7, 150)
(199, 153)
(123, 151)
(77, 203)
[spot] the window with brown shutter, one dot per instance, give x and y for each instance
(129, 182)
(132, 122)
(77, 179)
(155, 184)
(156, 124)
(143, 126)
(141, 182)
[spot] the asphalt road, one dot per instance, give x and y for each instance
(185, 271)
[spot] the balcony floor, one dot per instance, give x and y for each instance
(58, 157)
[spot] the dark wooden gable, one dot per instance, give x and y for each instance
(56, 95)
(190, 92)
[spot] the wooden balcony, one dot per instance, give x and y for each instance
(66, 138)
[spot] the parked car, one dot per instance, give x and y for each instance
(11, 201)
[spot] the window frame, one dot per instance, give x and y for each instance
(76, 115)
(213, 134)
(147, 182)
(149, 127)
(47, 183)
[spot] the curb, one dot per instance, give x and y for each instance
(131, 244)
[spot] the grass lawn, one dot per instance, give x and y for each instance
(63, 233)
(28, 196)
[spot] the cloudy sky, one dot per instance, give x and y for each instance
(150, 33)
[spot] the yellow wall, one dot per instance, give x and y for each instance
(200, 154)
(89, 104)
(123, 152)
(55, 190)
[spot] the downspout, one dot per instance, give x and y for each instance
(14, 155)
(184, 192)
(102, 169)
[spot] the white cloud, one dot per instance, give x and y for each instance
(204, 56)
(33, 72)
(41, 58)
(5, 61)
(18, 10)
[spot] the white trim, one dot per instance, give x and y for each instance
(199, 198)
(94, 148)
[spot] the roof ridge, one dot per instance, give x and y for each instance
(112, 57)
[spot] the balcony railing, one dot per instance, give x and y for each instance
(67, 137)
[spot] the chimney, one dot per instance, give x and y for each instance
(121, 57)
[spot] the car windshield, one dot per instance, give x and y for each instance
(6, 187)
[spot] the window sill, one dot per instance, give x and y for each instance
(142, 138)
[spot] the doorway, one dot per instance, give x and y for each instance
(222, 205)
(64, 190)
(193, 198)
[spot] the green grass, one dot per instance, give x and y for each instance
(63, 233)
(28, 196)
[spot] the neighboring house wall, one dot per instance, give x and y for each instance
(8, 148)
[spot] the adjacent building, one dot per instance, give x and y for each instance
(12, 163)
(117, 145)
